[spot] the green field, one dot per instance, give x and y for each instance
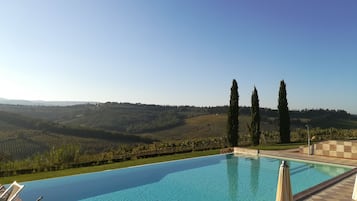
(74, 171)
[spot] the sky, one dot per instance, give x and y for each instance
(180, 52)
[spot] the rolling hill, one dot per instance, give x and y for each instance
(25, 130)
(22, 136)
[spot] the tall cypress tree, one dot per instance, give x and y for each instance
(233, 123)
(255, 115)
(284, 117)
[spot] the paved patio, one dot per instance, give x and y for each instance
(339, 191)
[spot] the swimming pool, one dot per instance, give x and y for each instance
(212, 178)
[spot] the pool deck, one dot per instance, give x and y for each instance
(340, 190)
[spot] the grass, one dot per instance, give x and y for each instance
(74, 171)
(278, 146)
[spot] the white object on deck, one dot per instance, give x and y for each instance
(284, 191)
(11, 192)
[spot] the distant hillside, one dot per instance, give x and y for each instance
(25, 130)
(22, 136)
(123, 117)
(42, 103)
(138, 118)
(325, 118)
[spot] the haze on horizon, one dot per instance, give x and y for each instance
(180, 52)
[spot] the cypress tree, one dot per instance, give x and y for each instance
(233, 123)
(255, 115)
(284, 117)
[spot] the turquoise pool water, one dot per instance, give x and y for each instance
(213, 178)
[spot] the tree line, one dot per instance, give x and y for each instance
(254, 127)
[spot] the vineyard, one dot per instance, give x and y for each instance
(73, 155)
(21, 144)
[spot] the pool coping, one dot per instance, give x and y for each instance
(308, 161)
(121, 168)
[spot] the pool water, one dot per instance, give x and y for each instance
(213, 178)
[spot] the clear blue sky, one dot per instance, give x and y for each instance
(180, 52)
